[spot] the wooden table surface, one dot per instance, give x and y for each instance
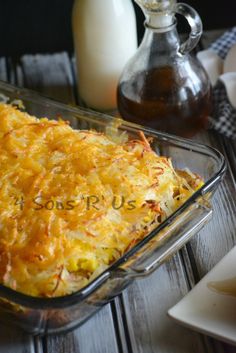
(136, 321)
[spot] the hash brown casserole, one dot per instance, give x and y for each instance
(74, 201)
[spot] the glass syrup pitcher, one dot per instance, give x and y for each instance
(163, 86)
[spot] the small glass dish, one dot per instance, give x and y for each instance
(54, 315)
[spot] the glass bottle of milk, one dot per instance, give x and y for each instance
(105, 38)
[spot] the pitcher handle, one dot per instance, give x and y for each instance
(195, 24)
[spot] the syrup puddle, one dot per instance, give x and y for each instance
(227, 287)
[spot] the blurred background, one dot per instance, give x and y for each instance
(30, 26)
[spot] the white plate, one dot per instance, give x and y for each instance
(207, 311)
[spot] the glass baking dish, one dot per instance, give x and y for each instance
(53, 315)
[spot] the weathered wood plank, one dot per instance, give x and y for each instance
(146, 303)
(3, 69)
(230, 148)
(51, 75)
(219, 236)
(96, 335)
(15, 341)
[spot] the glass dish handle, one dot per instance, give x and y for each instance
(164, 245)
(195, 24)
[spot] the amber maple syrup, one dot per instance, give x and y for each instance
(161, 99)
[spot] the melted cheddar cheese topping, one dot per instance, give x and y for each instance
(72, 201)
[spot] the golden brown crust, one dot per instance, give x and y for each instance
(72, 202)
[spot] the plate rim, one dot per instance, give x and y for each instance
(196, 327)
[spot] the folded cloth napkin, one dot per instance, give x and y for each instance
(219, 61)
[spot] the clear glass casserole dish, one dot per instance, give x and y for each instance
(53, 315)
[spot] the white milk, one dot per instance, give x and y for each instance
(105, 38)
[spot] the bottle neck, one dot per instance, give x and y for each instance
(164, 39)
(160, 21)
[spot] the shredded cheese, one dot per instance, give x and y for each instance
(72, 201)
